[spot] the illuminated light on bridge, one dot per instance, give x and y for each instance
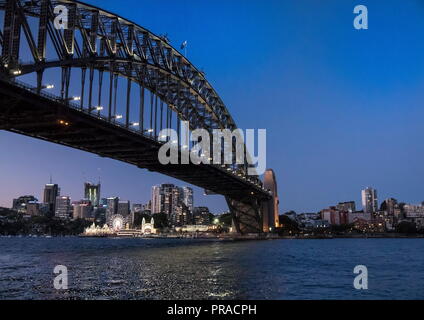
(93, 56)
(64, 123)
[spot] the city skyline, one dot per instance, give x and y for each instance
(215, 202)
(328, 140)
(369, 201)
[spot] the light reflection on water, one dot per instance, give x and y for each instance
(199, 269)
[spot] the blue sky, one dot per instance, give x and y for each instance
(342, 107)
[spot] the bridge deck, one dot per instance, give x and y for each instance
(27, 113)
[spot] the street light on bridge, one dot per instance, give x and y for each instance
(76, 98)
(98, 108)
(46, 86)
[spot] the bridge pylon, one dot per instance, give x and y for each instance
(254, 215)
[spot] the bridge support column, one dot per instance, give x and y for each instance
(247, 215)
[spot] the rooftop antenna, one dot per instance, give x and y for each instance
(51, 179)
(99, 169)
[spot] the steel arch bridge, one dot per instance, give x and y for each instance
(92, 57)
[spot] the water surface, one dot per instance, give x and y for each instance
(199, 269)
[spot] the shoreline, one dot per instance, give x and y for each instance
(251, 237)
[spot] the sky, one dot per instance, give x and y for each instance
(343, 108)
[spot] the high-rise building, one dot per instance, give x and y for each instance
(64, 209)
(181, 216)
(165, 198)
(92, 193)
(349, 206)
(187, 197)
(83, 210)
(369, 200)
(156, 199)
(51, 192)
(123, 208)
(112, 207)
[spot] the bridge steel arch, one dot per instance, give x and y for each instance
(99, 43)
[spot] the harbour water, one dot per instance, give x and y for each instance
(105, 268)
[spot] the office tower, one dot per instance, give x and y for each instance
(63, 207)
(51, 192)
(172, 200)
(123, 208)
(187, 197)
(112, 207)
(181, 216)
(165, 198)
(156, 199)
(369, 200)
(346, 206)
(92, 193)
(83, 210)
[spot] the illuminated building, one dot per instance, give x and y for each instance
(51, 192)
(111, 207)
(196, 228)
(187, 197)
(201, 216)
(94, 231)
(63, 207)
(369, 200)
(148, 228)
(165, 199)
(92, 193)
(83, 210)
(181, 216)
(123, 208)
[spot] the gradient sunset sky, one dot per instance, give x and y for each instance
(343, 108)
